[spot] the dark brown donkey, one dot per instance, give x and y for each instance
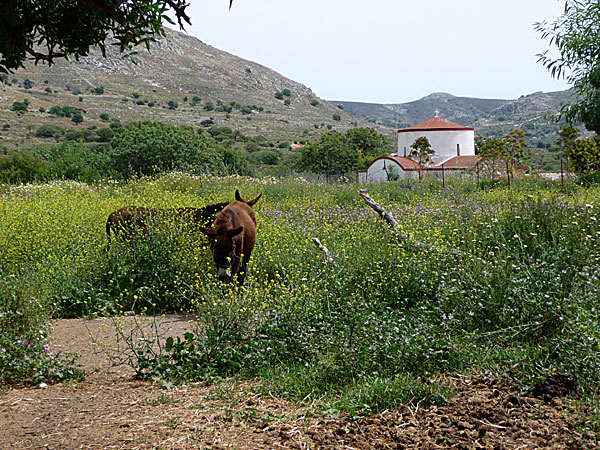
(233, 236)
(126, 221)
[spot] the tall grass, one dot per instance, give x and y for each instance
(378, 326)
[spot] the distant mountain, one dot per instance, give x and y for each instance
(490, 117)
(186, 82)
(182, 81)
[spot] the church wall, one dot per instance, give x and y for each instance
(376, 173)
(443, 142)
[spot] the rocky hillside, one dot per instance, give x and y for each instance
(182, 81)
(490, 117)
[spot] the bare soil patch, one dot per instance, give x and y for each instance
(113, 410)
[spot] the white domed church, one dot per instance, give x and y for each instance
(453, 144)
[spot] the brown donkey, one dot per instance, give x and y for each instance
(126, 221)
(233, 236)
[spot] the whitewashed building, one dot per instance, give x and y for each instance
(453, 144)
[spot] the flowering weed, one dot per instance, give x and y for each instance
(372, 329)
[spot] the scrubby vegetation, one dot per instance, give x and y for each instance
(378, 326)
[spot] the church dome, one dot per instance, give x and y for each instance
(434, 124)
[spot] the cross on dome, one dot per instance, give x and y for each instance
(437, 113)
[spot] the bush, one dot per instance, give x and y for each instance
(19, 107)
(77, 118)
(104, 117)
(49, 131)
(21, 168)
(143, 148)
(314, 102)
(74, 135)
(268, 157)
(278, 95)
(589, 179)
(105, 134)
(74, 161)
(64, 111)
(235, 162)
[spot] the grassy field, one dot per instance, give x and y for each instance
(382, 324)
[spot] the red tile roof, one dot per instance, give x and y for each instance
(405, 163)
(457, 163)
(435, 124)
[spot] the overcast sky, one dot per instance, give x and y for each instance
(388, 51)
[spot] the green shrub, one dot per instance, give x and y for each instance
(74, 135)
(50, 130)
(74, 161)
(19, 107)
(144, 148)
(105, 134)
(20, 168)
(64, 111)
(235, 162)
(77, 118)
(268, 157)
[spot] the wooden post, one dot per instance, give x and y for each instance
(444, 177)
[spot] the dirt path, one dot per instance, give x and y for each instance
(113, 410)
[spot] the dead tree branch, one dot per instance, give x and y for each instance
(407, 239)
(324, 249)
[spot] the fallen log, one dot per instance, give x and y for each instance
(407, 239)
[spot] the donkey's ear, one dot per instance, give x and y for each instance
(210, 232)
(234, 232)
(252, 202)
(238, 197)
